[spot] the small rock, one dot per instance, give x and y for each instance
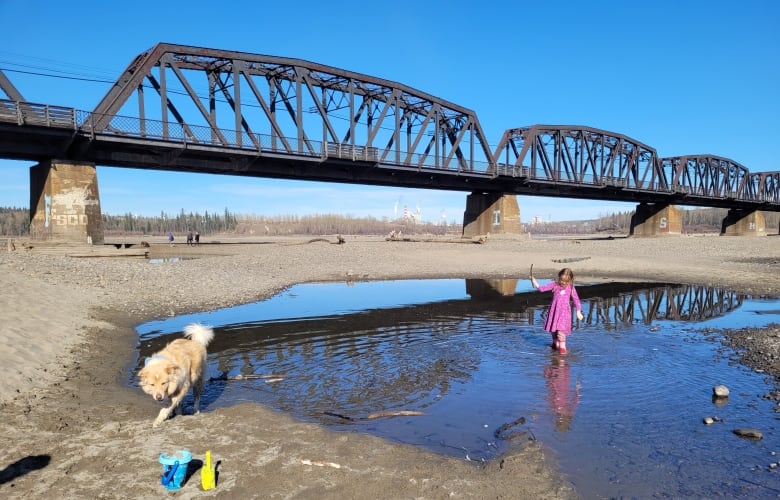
(720, 391)
(749, 433)
(709, 420)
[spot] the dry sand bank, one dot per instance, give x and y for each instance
(67, 330)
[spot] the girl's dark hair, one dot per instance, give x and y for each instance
(563, 272)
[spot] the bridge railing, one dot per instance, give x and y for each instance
(44, 115)
(763, 193)
(583, 179)
(132, 127)
(350, 152)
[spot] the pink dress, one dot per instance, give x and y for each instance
(559, 315)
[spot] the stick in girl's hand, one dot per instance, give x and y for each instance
(532, 271)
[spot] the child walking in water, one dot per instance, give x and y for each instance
(559, 316)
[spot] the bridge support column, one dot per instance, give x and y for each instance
(491, 213)
(740, 222)
(64, 203)
(656, 219)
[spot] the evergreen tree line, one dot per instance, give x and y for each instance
(15, 222)
(207, 223)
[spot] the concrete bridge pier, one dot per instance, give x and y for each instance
(656, 219)
(64, 203)
(741, 222)
(489, 288)
(494, 213)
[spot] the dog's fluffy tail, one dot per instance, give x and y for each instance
(199, 333)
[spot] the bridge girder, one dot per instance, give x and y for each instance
(579, 155)
(710, 176)
(767, 185)
(9, 89)
(569, 155)
(227, 97)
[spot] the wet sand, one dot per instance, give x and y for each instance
(71, 426)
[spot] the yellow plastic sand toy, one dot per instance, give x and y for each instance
(207, 474)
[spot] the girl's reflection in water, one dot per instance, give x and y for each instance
(563, 401)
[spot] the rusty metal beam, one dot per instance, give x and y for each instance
(579, 155)
(10, 91)
(299, 99)
(709, 176)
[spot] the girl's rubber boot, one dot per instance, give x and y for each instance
(561, 343)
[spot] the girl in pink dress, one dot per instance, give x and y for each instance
(559, 316)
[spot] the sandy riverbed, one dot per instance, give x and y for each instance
(70, 426)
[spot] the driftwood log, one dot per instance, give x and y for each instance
(379, 414)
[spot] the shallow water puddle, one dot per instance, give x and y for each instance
(471, 366)
(168, 260)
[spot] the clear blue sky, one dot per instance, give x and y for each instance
(684, 77)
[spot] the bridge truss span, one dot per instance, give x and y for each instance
(302, 108)
(581, 155)
(707, 175)
(712, 176)
(584, 162)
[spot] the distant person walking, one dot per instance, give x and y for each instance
(170, 238)
(558, 321)
(190, 239)
(197, 237)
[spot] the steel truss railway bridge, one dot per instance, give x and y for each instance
(194, 109)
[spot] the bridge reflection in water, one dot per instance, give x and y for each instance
(615, 304)
(607, 305)
(411, 356)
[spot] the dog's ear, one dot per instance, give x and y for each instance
(172, 369)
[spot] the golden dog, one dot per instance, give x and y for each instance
(169, 374)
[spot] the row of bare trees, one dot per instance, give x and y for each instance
(337, 224)
(16, 222)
